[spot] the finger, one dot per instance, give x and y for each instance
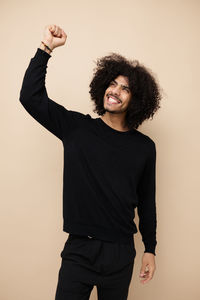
(58, 32)
(145, 280)
(145, 275)
(151, 273)
(55, 30)
(64, 34)
(148, 277)
(151, 269)
(143, 270)
(52, 28)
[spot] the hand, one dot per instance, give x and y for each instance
(54, 36)
(148, 261)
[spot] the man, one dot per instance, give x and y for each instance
(109, 170)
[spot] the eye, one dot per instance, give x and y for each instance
(127, 90)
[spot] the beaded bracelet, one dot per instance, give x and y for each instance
(46, 46)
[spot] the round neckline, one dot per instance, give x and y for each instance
(110, 129)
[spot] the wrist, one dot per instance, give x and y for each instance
(149, 253)
(43, 47)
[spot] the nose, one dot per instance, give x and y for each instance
(116, 90)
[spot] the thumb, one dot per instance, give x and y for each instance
(142, 270)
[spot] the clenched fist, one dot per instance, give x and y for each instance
(54, 36)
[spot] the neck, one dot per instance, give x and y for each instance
(115, 121)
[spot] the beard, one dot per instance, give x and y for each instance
(116, 111)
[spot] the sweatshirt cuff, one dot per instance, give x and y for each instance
(42, 56)
(150, 249)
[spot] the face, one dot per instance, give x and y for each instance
(118, 95)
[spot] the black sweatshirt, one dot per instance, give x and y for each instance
(107, 173)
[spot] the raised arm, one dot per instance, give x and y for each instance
(33, 94)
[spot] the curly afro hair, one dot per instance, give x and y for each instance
(145, 91)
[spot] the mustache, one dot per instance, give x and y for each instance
(110, 95)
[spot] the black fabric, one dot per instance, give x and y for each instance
(88, 262)
(107, 173)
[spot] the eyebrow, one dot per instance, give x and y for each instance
(125, 86)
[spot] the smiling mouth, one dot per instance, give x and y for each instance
(113, 100)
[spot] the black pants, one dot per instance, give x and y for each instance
(87, 261)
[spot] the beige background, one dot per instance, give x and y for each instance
(164, 35)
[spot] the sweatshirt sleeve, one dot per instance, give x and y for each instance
(34, 98)
(147, 204)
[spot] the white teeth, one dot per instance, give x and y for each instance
(112, 100)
